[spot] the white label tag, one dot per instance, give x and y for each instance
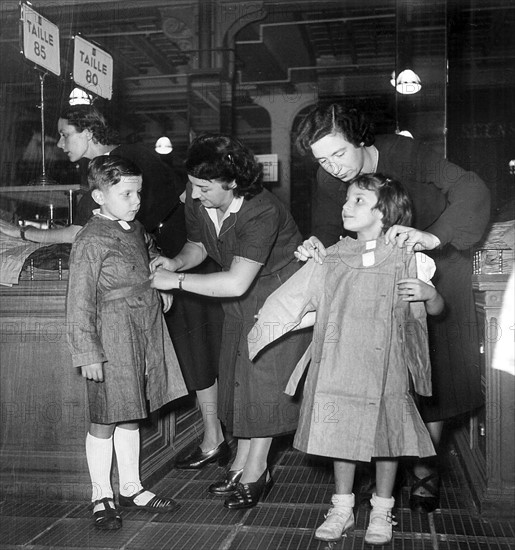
(368, 259)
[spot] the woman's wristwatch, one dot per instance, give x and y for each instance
(182, 276)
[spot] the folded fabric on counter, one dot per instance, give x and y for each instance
(13, 254)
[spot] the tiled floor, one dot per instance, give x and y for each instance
(284, 521)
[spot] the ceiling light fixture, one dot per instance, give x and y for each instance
(164, 146)
(79, 97)
(405, 133)
(408, 82)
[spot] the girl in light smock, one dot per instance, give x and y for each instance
(369, 349)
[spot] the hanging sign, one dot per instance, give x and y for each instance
(40, 40)
(92, 68)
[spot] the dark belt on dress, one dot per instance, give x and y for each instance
(126, 292)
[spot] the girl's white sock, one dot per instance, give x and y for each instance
(99, 455)
(343, 501)
(127, 446)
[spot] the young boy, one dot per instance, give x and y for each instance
(370, 338)
(118, 338)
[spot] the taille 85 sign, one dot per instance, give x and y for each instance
(40, 40)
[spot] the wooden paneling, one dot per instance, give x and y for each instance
(43, 407)
(486, 444)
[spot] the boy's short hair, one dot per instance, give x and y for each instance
(392, 198)
(107, 170)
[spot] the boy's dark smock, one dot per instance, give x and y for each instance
(454, 205)
(114, 317)
(252, 402)
(194, 321)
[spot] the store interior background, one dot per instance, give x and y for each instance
(253, 68)
(250, 69)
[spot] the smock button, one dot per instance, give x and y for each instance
(236, 384)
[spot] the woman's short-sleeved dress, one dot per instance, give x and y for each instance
(252, 402)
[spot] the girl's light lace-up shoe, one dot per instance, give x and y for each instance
(339, 519)
(379, 529)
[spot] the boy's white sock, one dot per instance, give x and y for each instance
(127, 445)
(99, 455)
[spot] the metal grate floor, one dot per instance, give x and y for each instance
(286, 520)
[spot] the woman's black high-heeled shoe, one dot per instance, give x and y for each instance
(228, 485)
(425, 504)
(198, 458)
(247, 495)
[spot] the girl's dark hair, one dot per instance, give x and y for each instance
(107, 170)
(86, 117)
(334, 118)
(392, 199)
(224, 158)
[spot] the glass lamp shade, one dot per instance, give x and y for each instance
(164, 146)
(405, 133)
(79, 97)
(407, 83)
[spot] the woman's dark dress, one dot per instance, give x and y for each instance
(252, 402)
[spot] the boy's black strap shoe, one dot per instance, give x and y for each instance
(157, 505)
(109, 518)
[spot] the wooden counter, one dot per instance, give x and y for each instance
(486, 444)
(43, 407)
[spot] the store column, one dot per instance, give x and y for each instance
(283, 108)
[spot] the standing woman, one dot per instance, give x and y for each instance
(252, 236)
(451, 210)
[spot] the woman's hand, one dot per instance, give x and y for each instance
(94, 372)
(311, 248)
(411, 238)
(166, 263)
(163, 279)
(167, 299)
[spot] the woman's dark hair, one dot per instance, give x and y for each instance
(86, 117)
(392, 199)
(107, 170)
(224, 158)
(334, 118)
